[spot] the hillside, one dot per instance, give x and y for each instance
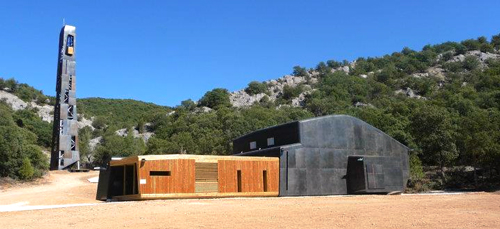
(442, 101)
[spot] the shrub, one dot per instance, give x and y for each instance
(291, 92)
(495, 41)
(216, 98)
(299, 71)
(470, 63)
(26, 171)
(333, 64)
(99, 122)
(188, 105)
(255, 87)
(471, 44)
(486, 48)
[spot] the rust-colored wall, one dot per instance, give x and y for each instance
(181, 179)
(251, 176)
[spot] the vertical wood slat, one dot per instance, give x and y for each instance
(251, 175)
(181, 179)
(183, 176)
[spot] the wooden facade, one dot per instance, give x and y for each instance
(192, 176)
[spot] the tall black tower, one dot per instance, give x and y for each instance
(65, 132)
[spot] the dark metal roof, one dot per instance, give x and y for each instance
(316, 119)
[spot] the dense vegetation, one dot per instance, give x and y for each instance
(453, 122)
(24, 91)
(121, 113)
(21, 135)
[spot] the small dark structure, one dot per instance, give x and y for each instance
(335, 154)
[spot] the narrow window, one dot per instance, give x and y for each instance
(70, 82)
(73, 143)
(264, 178)
(286, 176)
(239, 180)
(61, 127)
(159, 173)
(253, 145)
(66, 96)
(61, 162)
(70, 112)
(70, 41)
(270, 141)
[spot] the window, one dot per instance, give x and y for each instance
(159, 173)
(66, 96)
(70, 84)
(70, 112)
(70, 41)
(61, 127)
(73, 143)
(238, 174)
(270, 141)
(264, 179)
(253, 145)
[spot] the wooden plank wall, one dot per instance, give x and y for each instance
(206, 177)
(181, 179)
(251, 176)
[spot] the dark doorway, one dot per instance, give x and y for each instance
(356, 181)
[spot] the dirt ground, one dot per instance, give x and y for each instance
(471, 210)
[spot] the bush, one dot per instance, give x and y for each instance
(291, 92)
(416, 169)
(333, 64)
(471, 44)
(299, 71)
(495, 41)
(322, 67)
(486, 48)
(188, 105)
(255, 87)
(470, 63)
(216, 98)
(26, 171)
(99, 122)
(453, 66)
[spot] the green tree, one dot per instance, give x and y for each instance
(216, 98)
(333, 64)
(141, 126)
(189, 105)
(99, 122)
(495, 41)
(470, 63)
(290, 92)
(471, 44)
(256, 87)
(84, 137)
(26, 171)
(299, 71)
(435, 134)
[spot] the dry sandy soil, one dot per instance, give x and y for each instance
(471, 210)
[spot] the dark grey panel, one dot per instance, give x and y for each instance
(313, 178)
(326, 158)
(285, 134)
(312, 158)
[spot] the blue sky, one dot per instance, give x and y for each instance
(168, 51)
